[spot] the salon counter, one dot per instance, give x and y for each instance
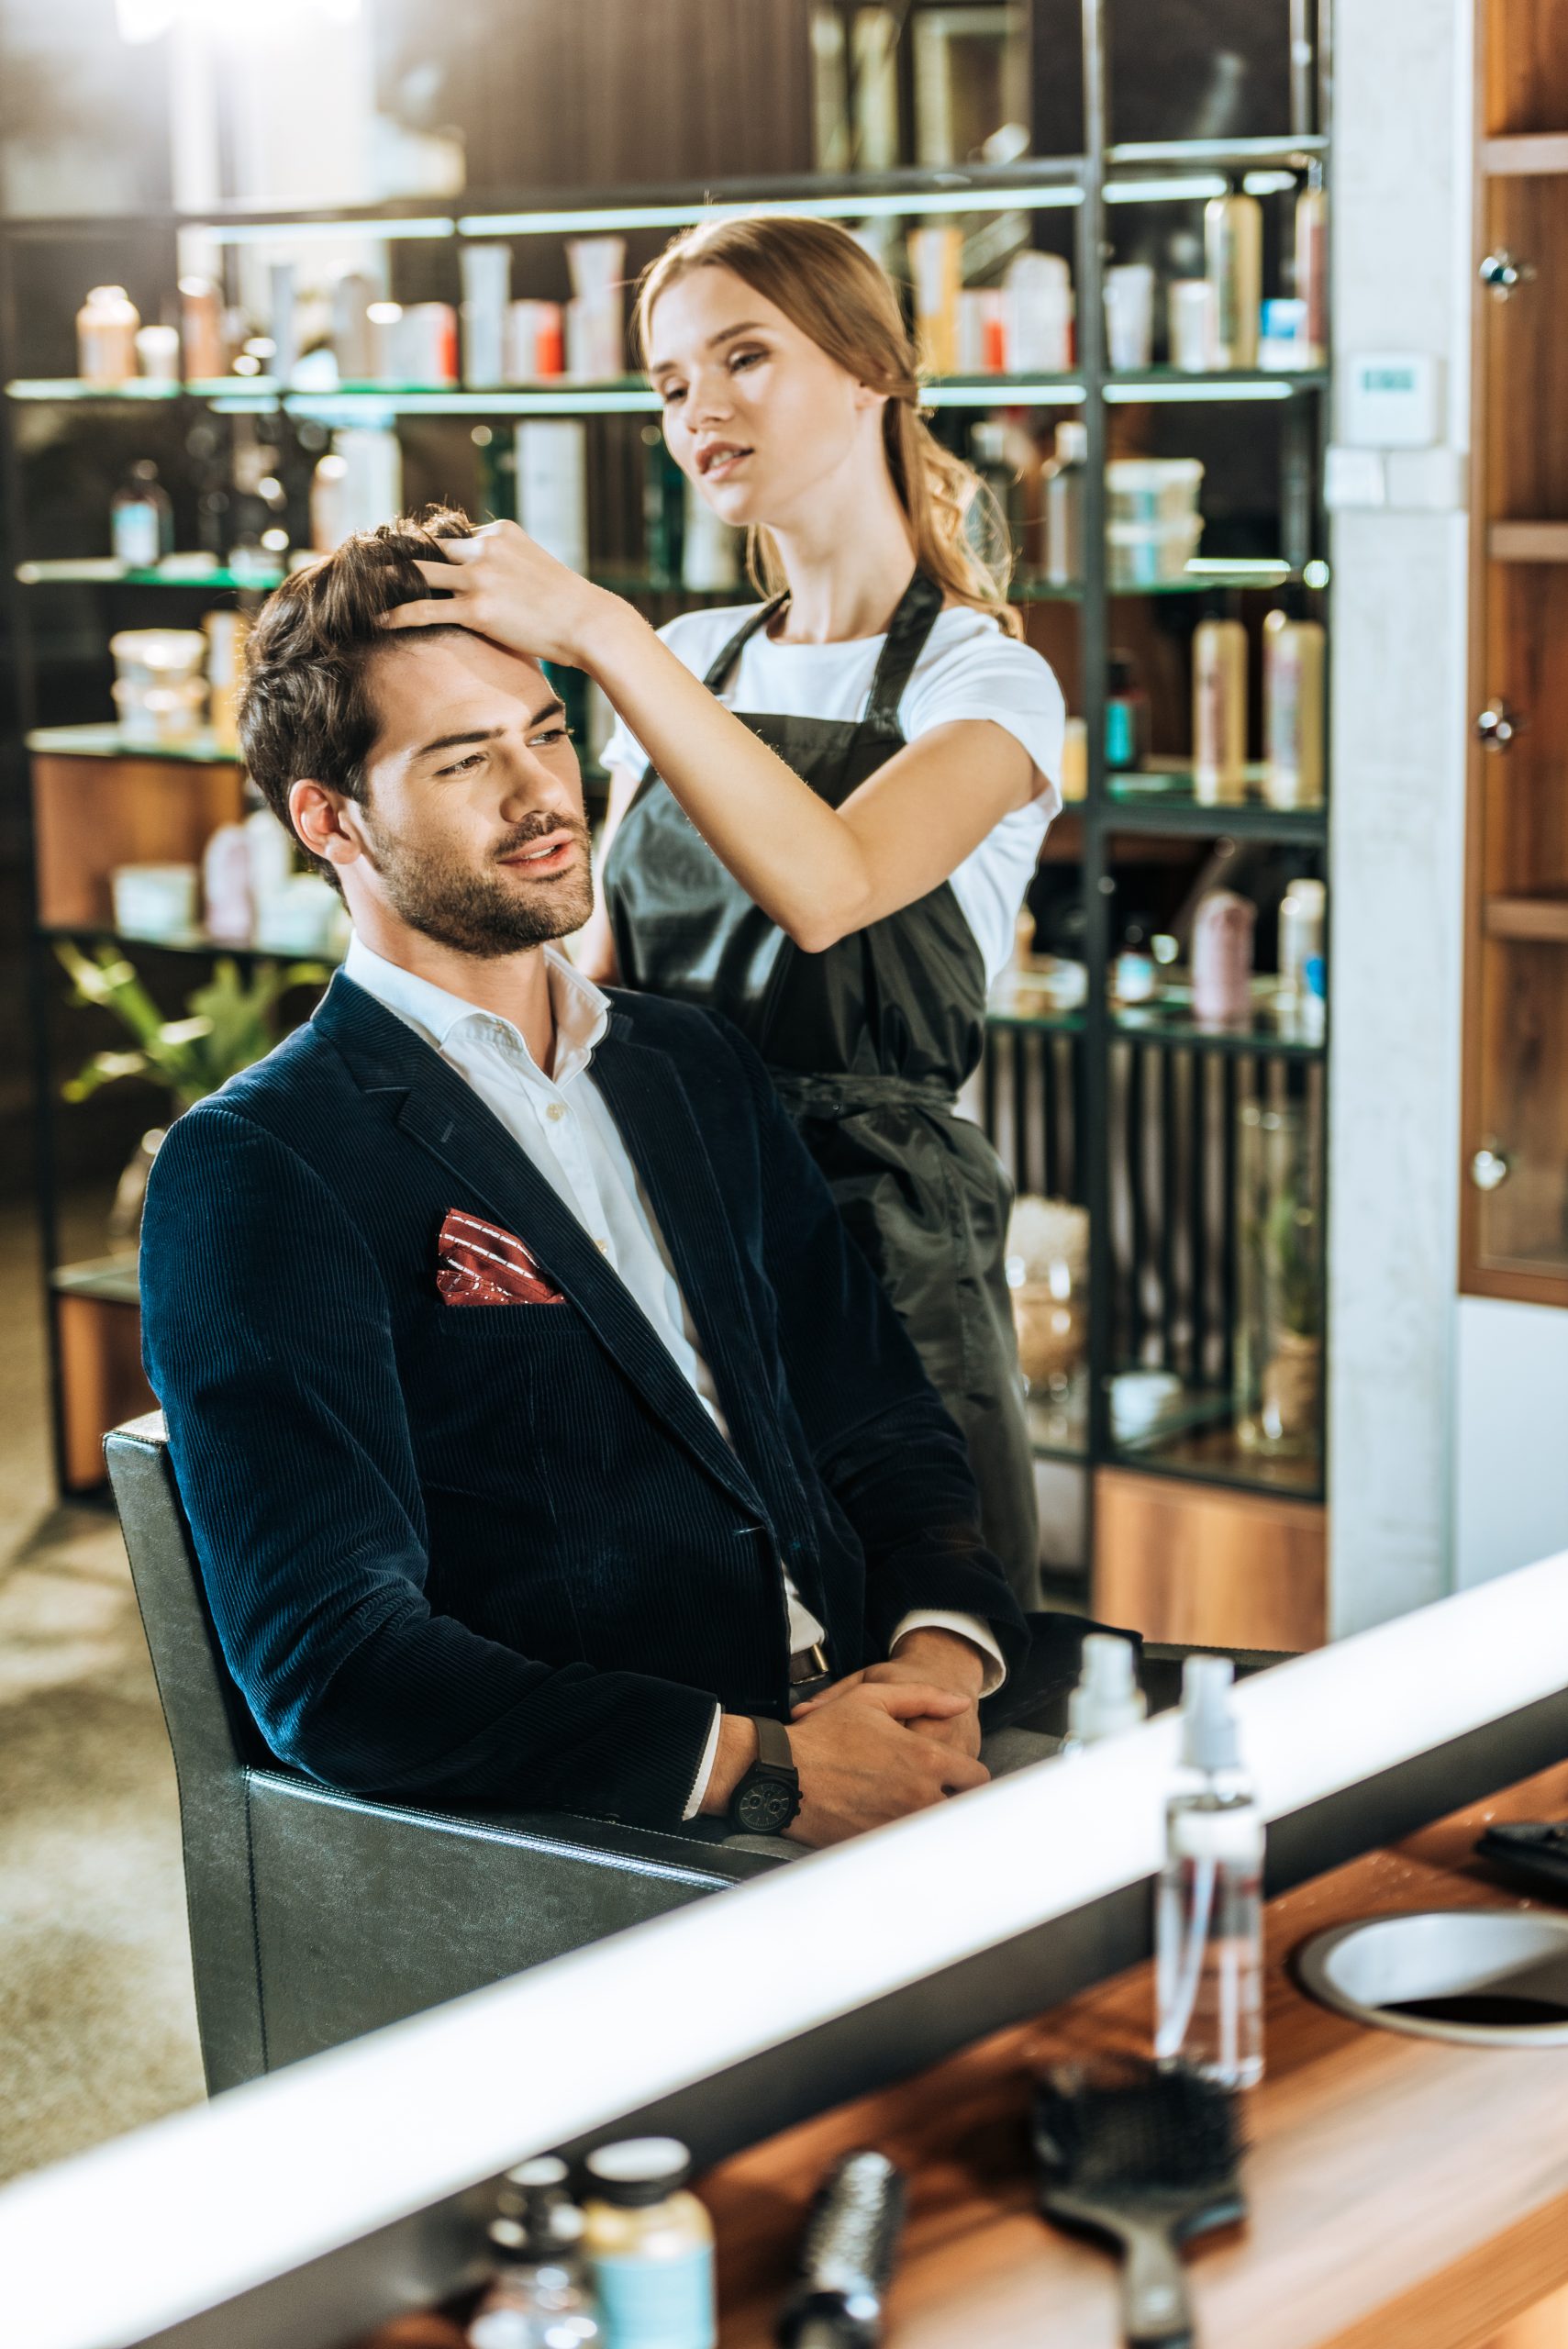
(1404, 2194)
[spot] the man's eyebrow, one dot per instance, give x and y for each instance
(725, 334)
(555, 707)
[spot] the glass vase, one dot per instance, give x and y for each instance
(1278, 1349)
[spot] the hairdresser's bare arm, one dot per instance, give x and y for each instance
(820, 873)
(594, 949)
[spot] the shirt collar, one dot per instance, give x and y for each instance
(582, 1010)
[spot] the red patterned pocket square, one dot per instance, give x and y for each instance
(478, 1263)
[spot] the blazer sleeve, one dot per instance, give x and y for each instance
(883, 1439)
(268, 1340)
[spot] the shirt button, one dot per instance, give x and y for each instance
(556, 1109)
(602, 1246)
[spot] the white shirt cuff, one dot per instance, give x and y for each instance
(709, 1757)
(968, 1627)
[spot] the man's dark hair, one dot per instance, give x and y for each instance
(304, 708)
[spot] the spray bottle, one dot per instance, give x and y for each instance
(1107, 1698)
(1208, 1921)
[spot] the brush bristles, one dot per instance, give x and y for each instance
(1167, 2129)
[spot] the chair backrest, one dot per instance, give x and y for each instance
(210, 1723)
(213, 1740)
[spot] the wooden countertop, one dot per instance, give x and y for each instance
(1404, 2194)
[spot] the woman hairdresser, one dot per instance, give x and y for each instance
(841, 874)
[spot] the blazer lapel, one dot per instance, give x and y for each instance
(447, 1117)
(649, 1105)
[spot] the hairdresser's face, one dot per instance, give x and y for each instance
(472, 828)
(755, 412)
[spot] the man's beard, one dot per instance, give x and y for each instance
(478, 913)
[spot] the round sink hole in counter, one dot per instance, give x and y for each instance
(1483, 1977)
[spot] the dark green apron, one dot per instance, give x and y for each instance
(868, 1044)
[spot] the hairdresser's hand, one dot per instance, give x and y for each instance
(502, 584)
(927, 1658)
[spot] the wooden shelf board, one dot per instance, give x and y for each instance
(1525, 154)
(1543, 920)
(1528, 541)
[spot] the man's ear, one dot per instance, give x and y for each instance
(326, 821)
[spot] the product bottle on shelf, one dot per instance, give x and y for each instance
(1209, 1916)
(1312, 264)
(663, 509)
(1000, 517)
(1222, 959)
(1126, 715)
(1233, 264)
(204, 350)
(141, 519)
(649, 2246)
(1293, 706)
(1064, 506)
(1220, 710)
(106, 335)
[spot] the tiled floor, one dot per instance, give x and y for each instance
(97, 2029)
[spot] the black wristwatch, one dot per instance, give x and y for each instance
(768, 1797)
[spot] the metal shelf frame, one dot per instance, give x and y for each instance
(1111, 816)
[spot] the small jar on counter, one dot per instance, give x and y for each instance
(649, 2247)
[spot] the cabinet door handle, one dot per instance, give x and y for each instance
(1502, 275)
(1496, 726)
(1489, 1168)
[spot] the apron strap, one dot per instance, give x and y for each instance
(718, 677)
(911, 624)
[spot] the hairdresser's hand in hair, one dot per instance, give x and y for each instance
(503, 584)
(820, 873)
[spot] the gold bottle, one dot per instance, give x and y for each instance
(1293, 710)
(1220, 713)
(1233, 263)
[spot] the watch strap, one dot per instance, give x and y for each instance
(772, 1743)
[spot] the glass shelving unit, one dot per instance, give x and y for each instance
(1065, 1079)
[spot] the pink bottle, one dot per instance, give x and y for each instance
(1222, 959)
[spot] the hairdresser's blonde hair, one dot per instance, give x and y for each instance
(828, 285)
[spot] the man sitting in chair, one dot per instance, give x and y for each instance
(545, 1439)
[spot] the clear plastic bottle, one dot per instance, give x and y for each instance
(1208, 1921)
(1107, 1698)
(541, 2298)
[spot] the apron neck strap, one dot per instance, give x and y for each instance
(911, 624)
(718, 677)
(918, 610)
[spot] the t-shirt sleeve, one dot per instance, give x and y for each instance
(694, 638)
(989, 675)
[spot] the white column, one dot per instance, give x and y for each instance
(1401, 231)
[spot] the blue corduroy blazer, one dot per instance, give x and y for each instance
(500, 1554)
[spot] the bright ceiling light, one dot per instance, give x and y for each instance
(145, 20)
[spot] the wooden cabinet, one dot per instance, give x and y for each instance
(1514, 1220)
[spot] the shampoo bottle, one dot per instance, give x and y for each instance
(1233, 264)
(650, 2247)
(1219, 712)
(1312, 264)
(1208, 1919)
(1293, 707)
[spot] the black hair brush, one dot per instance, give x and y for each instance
(1150, 2162)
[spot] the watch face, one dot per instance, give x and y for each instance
(766, 1808)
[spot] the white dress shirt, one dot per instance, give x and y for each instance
(564, 1125)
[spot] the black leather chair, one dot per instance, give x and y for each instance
(315, 1915)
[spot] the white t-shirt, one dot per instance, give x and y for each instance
(967, 669)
